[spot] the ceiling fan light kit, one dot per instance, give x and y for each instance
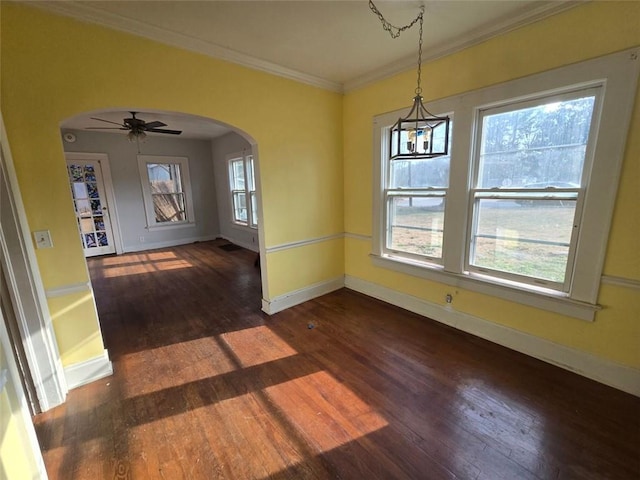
(137, 127)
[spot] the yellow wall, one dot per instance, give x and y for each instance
(54, 68)
(16, 456)
(584, 32)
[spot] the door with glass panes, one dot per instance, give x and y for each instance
(91, 207)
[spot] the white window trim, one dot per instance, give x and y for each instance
(617, 74)
(143, 160)
(246, 226)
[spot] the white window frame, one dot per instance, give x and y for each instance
(616, 76)
(183, 162)
(248, 165)
(476, 193)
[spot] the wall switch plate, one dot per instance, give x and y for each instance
(42, 239)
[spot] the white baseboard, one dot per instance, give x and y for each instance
(300, 296)
(604, 371)
(235, 241)
(171, 243)
(88, 371)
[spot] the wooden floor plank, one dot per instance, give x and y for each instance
(206, 386)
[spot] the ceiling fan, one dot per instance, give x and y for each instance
(136, 126)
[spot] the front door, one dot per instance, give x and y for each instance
(92, 209)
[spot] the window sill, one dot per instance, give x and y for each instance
(242, 226)
(557, 303)
(171, 226)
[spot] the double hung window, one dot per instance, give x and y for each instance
(415, 199)
(528, 171)
(167, 190)
(522, 207)
(243, 190)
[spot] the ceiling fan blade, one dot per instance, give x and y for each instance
(160, 130)
(154, 124)
(105, 128)
(107, 121)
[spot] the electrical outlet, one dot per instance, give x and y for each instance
(141, 239)
(449, 298)
(43, 239)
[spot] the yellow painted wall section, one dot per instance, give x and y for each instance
(586, 31)
(54, 68)
(324, 260)
(73, 319)
(16, 457)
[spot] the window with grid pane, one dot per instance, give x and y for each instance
(524, 209)
(166, 190)
(415, 199)
(243, 190)
(528, 175)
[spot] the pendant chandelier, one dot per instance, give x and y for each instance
(420, 134)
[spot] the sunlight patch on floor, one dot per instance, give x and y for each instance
(184, 362)
(139, 268)
(324, 412)
(257, 345)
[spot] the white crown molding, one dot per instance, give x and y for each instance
(470, 39)
(83, 11)
(86, 13)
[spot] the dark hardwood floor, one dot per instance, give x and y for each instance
(206, 386)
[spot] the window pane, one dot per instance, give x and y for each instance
(236, 174)
(537, 146)
(431, 172)
(531, 239)
(169, 207)
(164, 178)
(416, 225)
(250, 174)
(254, 209)
(240, 207)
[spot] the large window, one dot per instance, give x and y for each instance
(166, 189)
(242, 185)
(521, 209)
(528, 172)
(415, 198)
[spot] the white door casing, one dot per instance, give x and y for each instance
(94, 203)
(24, 283)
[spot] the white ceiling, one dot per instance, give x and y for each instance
(334, 44)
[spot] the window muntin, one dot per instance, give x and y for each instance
(614, 78)
(166, 190)
(415, 198)
(529, 169)
(243, 186)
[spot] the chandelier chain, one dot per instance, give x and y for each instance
(419, 87)
(389, 27)
(396, 31)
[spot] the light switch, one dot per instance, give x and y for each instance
(43, 239)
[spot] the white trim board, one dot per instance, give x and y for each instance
(87, 13)
(88, 371)
(81, 287)
(302, 295)
(173, 243)
(305, 242)
(240, 243)
(604, 371)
